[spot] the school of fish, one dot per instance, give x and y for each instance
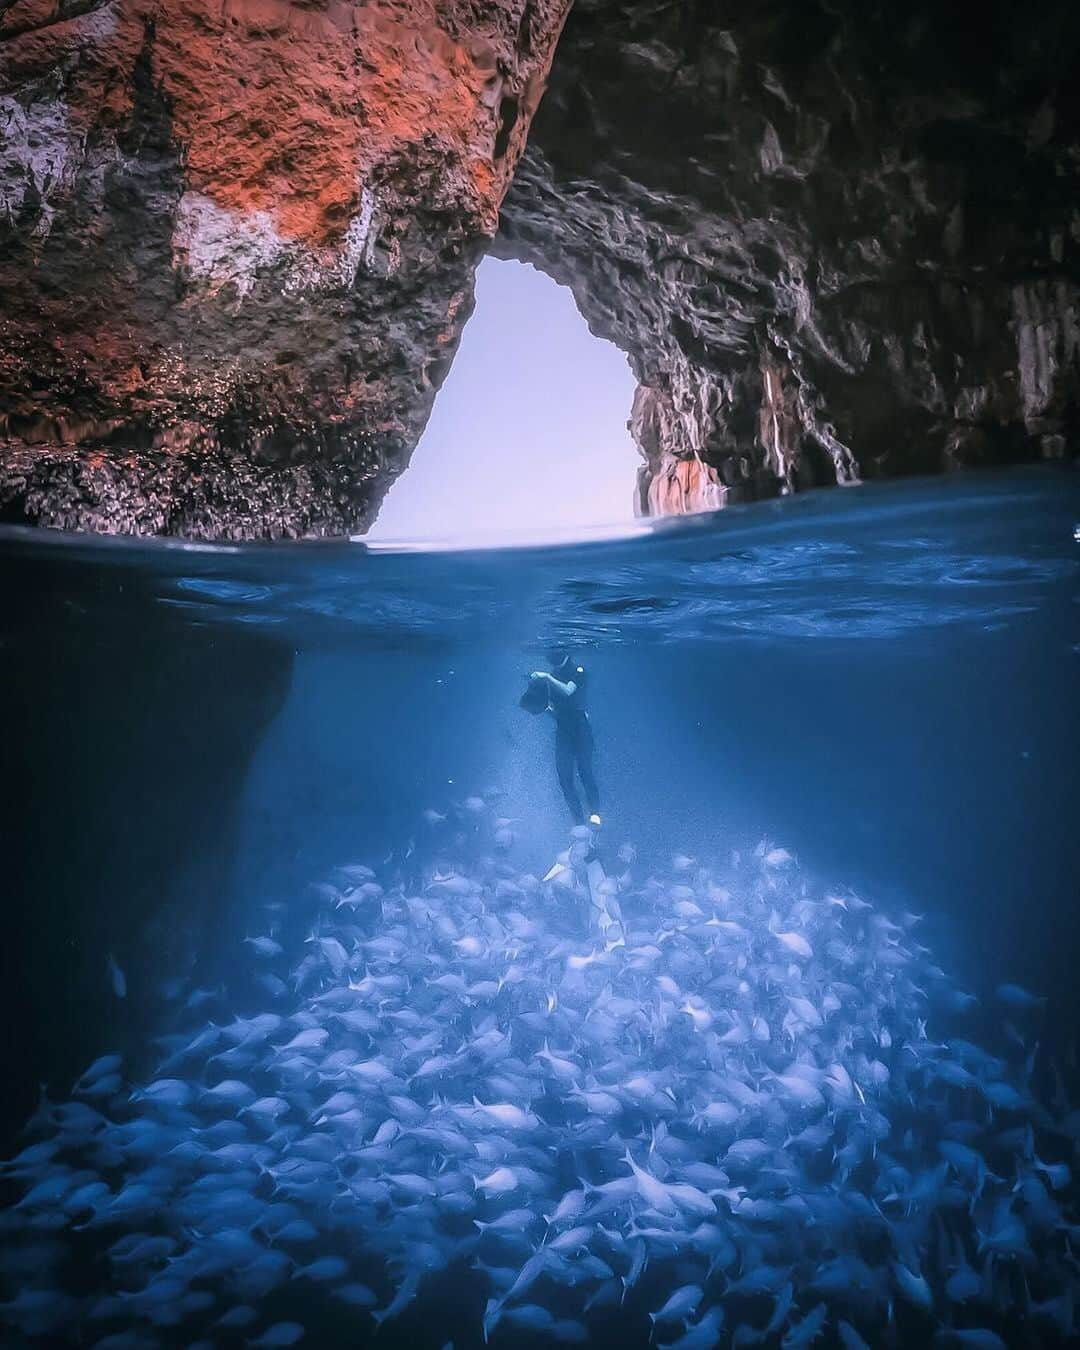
(696, 1106)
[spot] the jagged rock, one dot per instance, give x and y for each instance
(838, 240)
(237, 245)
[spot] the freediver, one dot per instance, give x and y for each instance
(565, 687)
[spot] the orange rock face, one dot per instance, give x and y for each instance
(237, 241)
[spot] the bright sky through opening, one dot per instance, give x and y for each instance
(529, 431)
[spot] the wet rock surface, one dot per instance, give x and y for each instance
(237, 245)
(237, 241)
(837, 241)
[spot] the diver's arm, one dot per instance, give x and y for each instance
(567, 690)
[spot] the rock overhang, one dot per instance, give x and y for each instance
(237, 241)
(837, 241)
(237, 245)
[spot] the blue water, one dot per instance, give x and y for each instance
(815, 719)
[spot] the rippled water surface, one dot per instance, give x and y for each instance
(873, 562)
(339, 1035)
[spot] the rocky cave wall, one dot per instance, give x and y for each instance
(121, 816)
(838, 240)
(237, 246)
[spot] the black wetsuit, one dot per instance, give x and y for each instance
(574, 742)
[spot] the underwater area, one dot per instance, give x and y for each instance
(324, 1026)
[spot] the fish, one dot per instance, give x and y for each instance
(1014, 996)
(529, 1317)
(807, 1330)
(652, 1191)
(356, 1295)
(266, 1109)
(505, 1114)
(679, 1306)
(569, 1207)
(514, 1221)
(327, 1269)
(502, 1181)
(460, 1075)
(703, 1335)
(230, 1093)
(1059, 1175)
(716, 1115)
(265, 947)
(778, 857)
(912, 1286)
(169, 1092)
(796, 944)
(117, 978)
(278, 1336)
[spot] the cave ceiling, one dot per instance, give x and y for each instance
(837, 241)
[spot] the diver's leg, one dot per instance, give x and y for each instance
(585, 753)
(564, 767)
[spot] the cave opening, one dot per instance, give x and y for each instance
(529, 432)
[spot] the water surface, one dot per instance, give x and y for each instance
(876, 687)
